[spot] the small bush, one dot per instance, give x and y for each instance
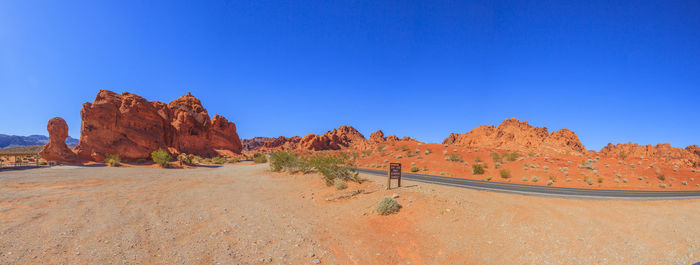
(505, 173)
(113, 160)
(661, 177)
(259, 158)
(477, 169)
(600, 180)
(662, 185)
(535, 179)
(454, 157)
(550, 182)
(219, 160)
(340, 184)
(684, 183)
(414, 169)
(388, 206)
(333, 167)
(184, 159)
(496, 157)
(161, 157)
(589, 180)
(524, 179)
(488, 178)
(510, 156)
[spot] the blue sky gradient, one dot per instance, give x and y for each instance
(618, 72)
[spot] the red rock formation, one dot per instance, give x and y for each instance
(224, 135)
(343, 136)
(377, 137)
(125, 124)
(133, 127)
(392, 138)
(56, 149)
(674, 155)
(515, 135)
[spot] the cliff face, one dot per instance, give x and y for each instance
(133, 127)
(513, 134)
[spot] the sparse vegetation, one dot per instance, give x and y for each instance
(496, 157)
(185, 159)
(340, 184)
(113, 160)
(534, 179)
(220, 160)
(661, 177)
(454, 157)
(414, 169)
(161, 157)
(388, 206)
(505, 173)
(259, 158)
(477, 169)
(588, 180)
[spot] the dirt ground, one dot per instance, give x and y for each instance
(244, 214)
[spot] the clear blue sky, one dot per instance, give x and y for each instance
(610, 72)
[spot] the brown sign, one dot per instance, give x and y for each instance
(395, 170)
(394, 173)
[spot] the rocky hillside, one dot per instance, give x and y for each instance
(690, 156)
(513, 134)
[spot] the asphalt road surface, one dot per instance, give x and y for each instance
(542, 190)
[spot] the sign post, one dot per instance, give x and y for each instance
(394, 173)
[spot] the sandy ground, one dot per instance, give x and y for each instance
(607, 172)
(243, 214)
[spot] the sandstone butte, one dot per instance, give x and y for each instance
(133, 127)
(56, 149)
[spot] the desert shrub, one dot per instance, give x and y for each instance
(332, 167)
(505, 173)
(550, 182)
(600, 180)
(616, 180)
(367, 152)
(218, 160)
(414, 169)
(488, 178)
(661, 177)
(684, 182)
(388, 206)
(534, 179)
(589, 180)
(633, 165)
(403, 147)
(113, 160)
(161, 157)
(675, 170)
(454, 158)
(524, 179)
(662, 185)
(427, 152)
(284, 161)
(477, 169)
(496, 157)
(259, 158)
(624, 180)
(234, 160)
(184, 159)
(340, 184)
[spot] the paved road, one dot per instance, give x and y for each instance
(543, 190)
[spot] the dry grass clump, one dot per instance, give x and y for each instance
(388, 206)
(113, 160)
(505, 173)
(477, 169)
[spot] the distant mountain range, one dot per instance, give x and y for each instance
(15, 140)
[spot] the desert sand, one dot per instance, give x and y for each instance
(244, 214)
